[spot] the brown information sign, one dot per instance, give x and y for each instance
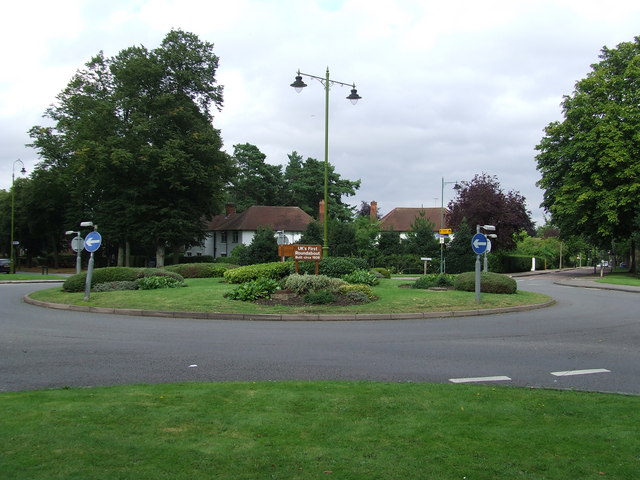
(301, 253)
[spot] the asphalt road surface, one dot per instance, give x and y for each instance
(589, 340)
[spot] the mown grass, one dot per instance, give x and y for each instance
(620, 279)
(313, 430)
(29, 276)
(206, 295)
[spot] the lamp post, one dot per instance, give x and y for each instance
(12, 265)
(298, 85)
(442, 221)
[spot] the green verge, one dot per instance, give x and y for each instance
(29, 276)
(620, 279)
(206, 295)
(312, 430)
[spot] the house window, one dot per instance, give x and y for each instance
(223, 237)
(235, 237)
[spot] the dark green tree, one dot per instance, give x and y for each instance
(305, 187)
(421, 238)
(313, 235)
(590, 161)
(459, 256)
(389, 243)
(255, 182)
(342, 239)
(263, 247)
(133, 140)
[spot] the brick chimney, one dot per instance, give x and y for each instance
(230, 209)
(373, 212)
(321, 214)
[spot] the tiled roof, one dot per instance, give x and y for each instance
(400, 219)
(278, 218)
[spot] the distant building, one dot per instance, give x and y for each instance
(227, 231)
(400, 219)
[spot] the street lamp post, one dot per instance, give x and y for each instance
(298, 85)
(442, 222)
(12, 265)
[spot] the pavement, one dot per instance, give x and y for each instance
(579, 277)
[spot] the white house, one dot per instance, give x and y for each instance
(227, 231)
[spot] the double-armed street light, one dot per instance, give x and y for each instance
(12, 264)
(298, 85)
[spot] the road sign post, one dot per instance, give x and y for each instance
(92, 243)
(479, 244)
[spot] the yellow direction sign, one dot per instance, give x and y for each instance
(446, 231)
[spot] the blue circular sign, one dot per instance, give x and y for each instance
(479, 243)
(92, 242)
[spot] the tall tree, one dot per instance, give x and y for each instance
(133, 136)
(482, 202)
(590, 161)
(305, 187)
(255, 182)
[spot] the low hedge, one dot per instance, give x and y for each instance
(76, 283)
(302, 284)
(335, 266)
(489, 283)
(273, 270)
(200, 270)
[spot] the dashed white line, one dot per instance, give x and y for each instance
(479, 379)
(580, 372)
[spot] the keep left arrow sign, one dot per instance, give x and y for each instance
(92, 242)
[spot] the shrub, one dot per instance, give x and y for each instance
(320, 297)
(76, 282)
(384, 273)
(302, 284)
(115, 286)
(253, 290)
(200, 270)
(357, 296)
(197, 259)
(157, 272)
(361, 276)
(361, 288)
(273, 270)
(434, 280)
(158, 281)
(489, 283)
(335, 266)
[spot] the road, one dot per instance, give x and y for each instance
(589, 340)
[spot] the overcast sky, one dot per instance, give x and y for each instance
(449, 89)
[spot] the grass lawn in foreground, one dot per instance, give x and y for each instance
(206, 295)
(318, 430)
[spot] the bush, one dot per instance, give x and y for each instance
(335, 266)
(302, 284)
(384, 273)
(253, 290)
(115, 286)
(273, 270)
(357, 296)
(489, 283)
(321, 297)
(76, 283)
(200, 270)
(434, 280)
(197, 259)
(360, 288)
(158, 281)
(361, 276)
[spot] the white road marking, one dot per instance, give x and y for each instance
(580, 372)
(479, 379)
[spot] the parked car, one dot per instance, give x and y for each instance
(5, 265)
